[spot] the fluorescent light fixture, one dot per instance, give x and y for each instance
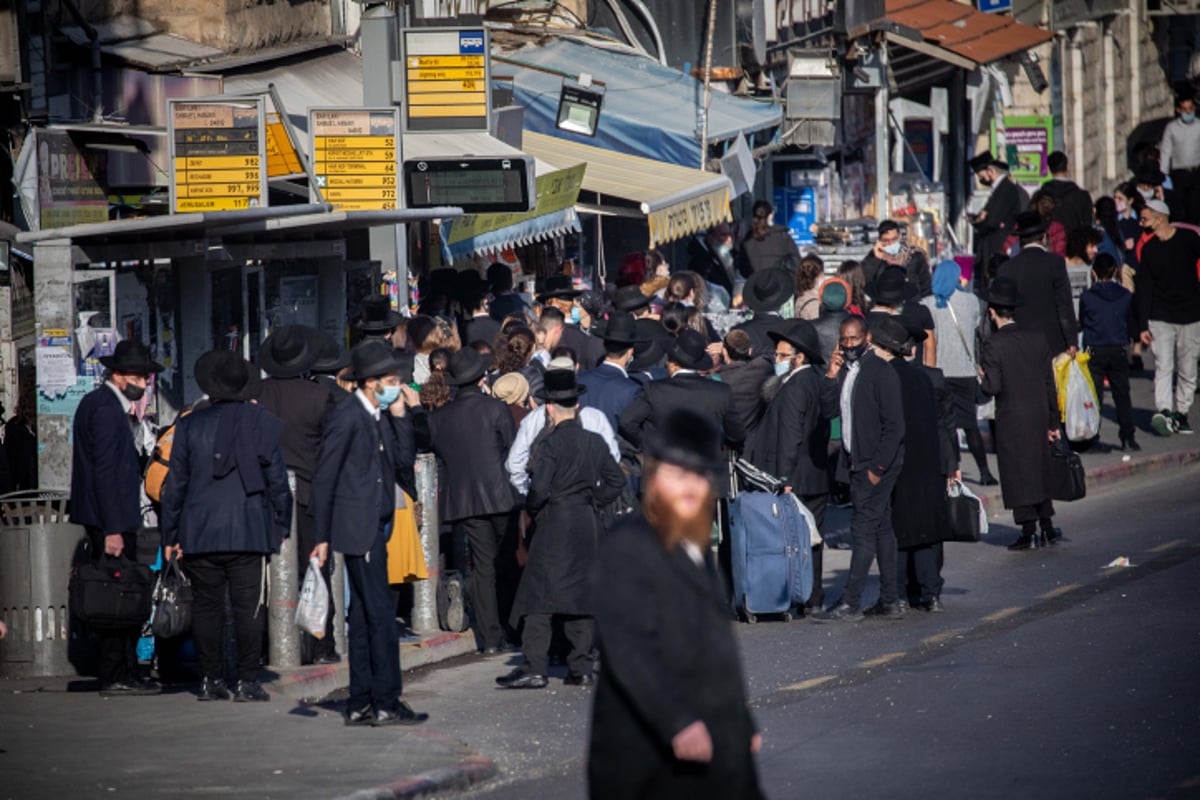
(579, 107)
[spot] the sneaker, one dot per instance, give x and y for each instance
(250, 692)
(1163, 423)
(892, 611)
(839, 613)
(1181, 423)
(213, 689)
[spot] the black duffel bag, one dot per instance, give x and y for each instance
(172, 602)
(1067, 479)
(111, 593)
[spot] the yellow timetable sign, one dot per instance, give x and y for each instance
(219, 161)
(282, 158)
(355, 155)
(446, 83)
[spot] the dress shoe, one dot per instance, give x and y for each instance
(327, 658)
(933, 605)
(839, 613)
(988, 479)
(213, 689)
(130, 689)
(1051, 536)
(1027, 541)
(580, 680)
(520, 679)
(400, 715)
(359, 717)
(1131, 445)
(882, 610)
(250, 692)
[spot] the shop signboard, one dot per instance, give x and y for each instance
(218, 154)
(355, 156)
(1027, 143)
(69, 192)
(447, 80)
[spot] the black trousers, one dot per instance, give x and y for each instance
(580, 632)
(310, 646)
(1185, 196)
(1040, 512)
(484, 538)
(1112, 362)
(116, 648)
(242, 575)
(872, 536)
(373, 639)
(817, 503)
(921, 567)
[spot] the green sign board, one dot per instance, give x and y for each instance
(1028, 142)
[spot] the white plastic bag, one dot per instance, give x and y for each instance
(313, 608)
(957, 489)
(1082, 409)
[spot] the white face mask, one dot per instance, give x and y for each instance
(1146, 193)
(892, 249)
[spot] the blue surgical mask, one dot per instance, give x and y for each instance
(575, 315)
(1188, 118)
(389, 395)
(783, 367)
(892, 249)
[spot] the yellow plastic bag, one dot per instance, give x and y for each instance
(1062, 371)
(405, 558)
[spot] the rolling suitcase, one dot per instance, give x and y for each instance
(771, 554)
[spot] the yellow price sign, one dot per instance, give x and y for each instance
(212, 204)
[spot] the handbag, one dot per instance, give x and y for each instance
(172, 615)
(968, 520)
(1067, 479)
(111, 593)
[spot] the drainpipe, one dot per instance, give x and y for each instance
(1110, 106)
(1135, 63)
(1078, 134)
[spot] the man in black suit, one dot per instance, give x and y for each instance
(609, 388)
(558, 293)
(505, 302)
(1041, 277)
(1072, 204)
(745, 372)
(377, 319)
(106, 479)
(866, 389)
(363, 450)
(472, 435)
(480, 327)
(670, 717)
(793, 441)
(998, 218)
(287, 355)
(332, 362)
(892, 294)
(632, 300)
(765, 293)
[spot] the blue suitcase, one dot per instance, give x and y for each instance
(771, 554)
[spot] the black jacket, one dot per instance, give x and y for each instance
(354, 486)
(480, 329)
(1005, 202)
(1072, 205)
(471, 436)
(704, 396)
(758, 327)
(302, 405)
(793, 441)
(916, 264)
(106, 474)
(1042, 277)
(919, 498)
(227, 489)
(746, 379)
(707, 265)
(589, 350)
(877, 416)
(608, 391)
(670, 659)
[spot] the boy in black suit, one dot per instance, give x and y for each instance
(1104, 311)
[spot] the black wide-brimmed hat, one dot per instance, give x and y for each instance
(630, 298)
(981, 162)
(620, 328)
(889, 333)
(372, 359)
(1150, 175)
(648, 352)
(131, 357)
(686, 439)
(333, 357)
(800, 334)
(467, 366)
(291, 351)
(1029, 223)
(891, 287)
(768, 289)
(224, 375)
(1003, 292)
(688, 350)
(558, 286)
(559, 386)
(376, 315)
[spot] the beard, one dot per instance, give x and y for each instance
(674, 525)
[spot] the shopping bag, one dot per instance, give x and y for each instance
(172, 614)
(968, 519)
(405, 558)
(1082, 409)
(313, 608)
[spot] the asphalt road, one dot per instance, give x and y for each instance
(1049, 675)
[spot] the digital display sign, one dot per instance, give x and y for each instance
(476, 185)
(218, 155)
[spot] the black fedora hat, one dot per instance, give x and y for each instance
(333, 357)
(372, 358)
(630, 298)
(1029, 223)
(1150, 175)
(559, 386)
(768, 289)
(688, 350)
(290, 351)
(467, 366)
(132, 357)
(558, 286)
(224, 375)
(1003, 292)
(649, 351)
(686, 439)
(376, 315)
(889, 333)
(800, 334)
(891, 287)
(621, 328)
(980, 162)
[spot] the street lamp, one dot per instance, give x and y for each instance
(579, 106)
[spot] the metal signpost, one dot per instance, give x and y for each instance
(218, 154)
(356, 153)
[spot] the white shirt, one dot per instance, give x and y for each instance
(694, 552)
(371, 408)
(846, 402)
(1180, 147)
(615, 366)
(591, 419)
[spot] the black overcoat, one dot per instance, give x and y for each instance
(571, 475)
(793, 441)
(1042, 277)
(670, 659)
(1017, 372)
(302, 405)
(106, 475)
(759, 328)
(746, 379)
(919, 498)
(472, 435)
(1003, 204)
(689, 390)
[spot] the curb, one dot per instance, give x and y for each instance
(469, 772)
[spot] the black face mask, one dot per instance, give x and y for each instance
(986, 182)
(133, 393)
(852, 354)
(1148, 228)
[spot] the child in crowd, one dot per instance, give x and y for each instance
(1104, 314)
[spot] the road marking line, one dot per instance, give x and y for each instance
(879, 661)
(1050, 595)
(938, 638)
(996, 616)
(1167, 546)
(811, 683)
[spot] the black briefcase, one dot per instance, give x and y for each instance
(111, 593)
(963, 511)
(1067, 479)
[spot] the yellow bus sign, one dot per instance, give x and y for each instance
(218, 154)
(355, 153)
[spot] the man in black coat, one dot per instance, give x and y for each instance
(712, 257)
(480, 326)
(366, 443)
(1017, 372)
(287, 355)
(866, 389)
(377, 319)
(559, 293)
(505, 302)
(1072, 204)
(572, 476)
(893, 295)
(998, 218)
(765, 293)
(332, 362)
(471, 435)
(609, 388)
(793, 441)
(745, 371)
(106, 480)
(1041, 277)
(670, 717)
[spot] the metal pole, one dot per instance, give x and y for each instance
(282, 633)
(882, 155)
(424, 613)
(708, 48)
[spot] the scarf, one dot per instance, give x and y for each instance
(945, 281)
